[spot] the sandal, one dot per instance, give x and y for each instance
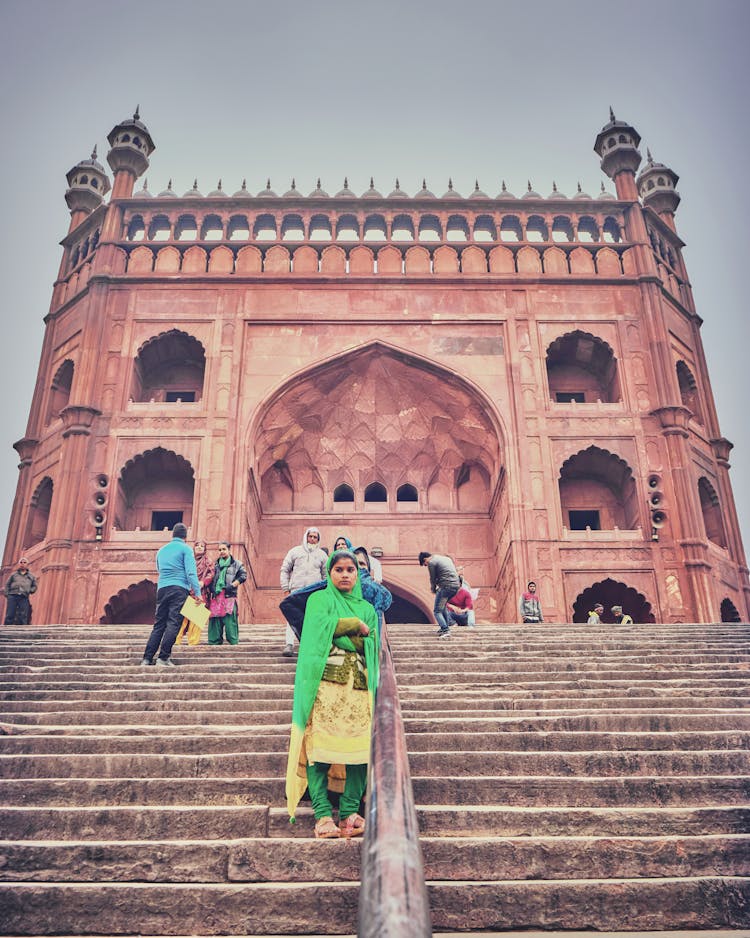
(325, 828)
(353, 826)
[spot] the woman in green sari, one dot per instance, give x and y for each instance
(228, 574)
(334, 694)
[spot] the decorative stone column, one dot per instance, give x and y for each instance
(66, 510)
(687, 524)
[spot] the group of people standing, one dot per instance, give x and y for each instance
(187, 572)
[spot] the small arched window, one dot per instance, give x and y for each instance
(343, 493)
(376, 492)
(407, 493)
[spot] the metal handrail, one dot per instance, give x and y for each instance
(393, 901)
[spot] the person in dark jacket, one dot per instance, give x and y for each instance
(228, 575)
(19, 587)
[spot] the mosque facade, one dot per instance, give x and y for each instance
(515, 380)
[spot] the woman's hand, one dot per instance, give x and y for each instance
(235, 583)
(364, 628)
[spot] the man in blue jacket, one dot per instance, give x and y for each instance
(178, 578)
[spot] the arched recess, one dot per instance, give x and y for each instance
(154, 492)
(168, 368)
(582, 368)
(59, 392)
(610, 593)
(405, 607)
(711, 509)
(132, 606)
(376, 413)
(597, 491)
(689, 390)
(39, 509)
(729, 611)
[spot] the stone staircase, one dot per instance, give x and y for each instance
(566, 777)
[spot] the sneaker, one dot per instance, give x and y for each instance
(288, 651)
(146, 662)
(444, 633)
(166, 663)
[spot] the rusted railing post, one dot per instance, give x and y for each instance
(393, 900)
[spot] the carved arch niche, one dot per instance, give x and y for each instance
(169, 367)
(368, 415)
(582, 367)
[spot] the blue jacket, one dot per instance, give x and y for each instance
(176, 565)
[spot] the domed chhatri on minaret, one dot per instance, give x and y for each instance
(131, 145)
(88, 183)
(656, 187)
(617, 146)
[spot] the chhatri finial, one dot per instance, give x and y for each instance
(219, 186)
(268, 183)
(504, 187)
(145, 184)
(244, 185)
(528, 185)
(346, 182)
(611, 114)
(603, 189)
(649, 158)
(93, 153)
(195, 184)
(424, 185)
(476, 185)
(398, 184)
(137, 115)
(294, 184)
(372, 183)
(580, 190)
(450, 184)
(169, 185)
(318, 186)
(554, 187)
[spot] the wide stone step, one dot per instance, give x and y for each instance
(529, 791)
(425, 741)
(272, 908)
(259, 860)
(261, 764)
(585, 722)
(226, 822)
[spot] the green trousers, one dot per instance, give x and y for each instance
(354, 789)
(225, 625)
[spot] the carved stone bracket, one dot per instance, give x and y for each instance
(722, 448)
(77, 419)
(25, 449)
(673, 419)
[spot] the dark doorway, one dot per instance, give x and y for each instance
(611, 593)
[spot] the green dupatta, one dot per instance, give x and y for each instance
(322, 613)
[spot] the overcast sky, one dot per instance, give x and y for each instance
(431, 88)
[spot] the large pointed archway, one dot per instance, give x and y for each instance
(395, 450)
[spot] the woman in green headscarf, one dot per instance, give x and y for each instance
(334, 694)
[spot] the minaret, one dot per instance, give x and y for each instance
(656, 187)
(617, 146)
(88, 183)
(131, 145)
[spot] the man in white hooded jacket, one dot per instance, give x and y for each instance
(302, 566)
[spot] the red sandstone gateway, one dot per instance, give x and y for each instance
(523, 379)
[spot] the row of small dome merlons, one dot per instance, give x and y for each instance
(131, 145)
(346, 192)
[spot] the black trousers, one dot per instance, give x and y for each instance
(17, 610)
(169, 600)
